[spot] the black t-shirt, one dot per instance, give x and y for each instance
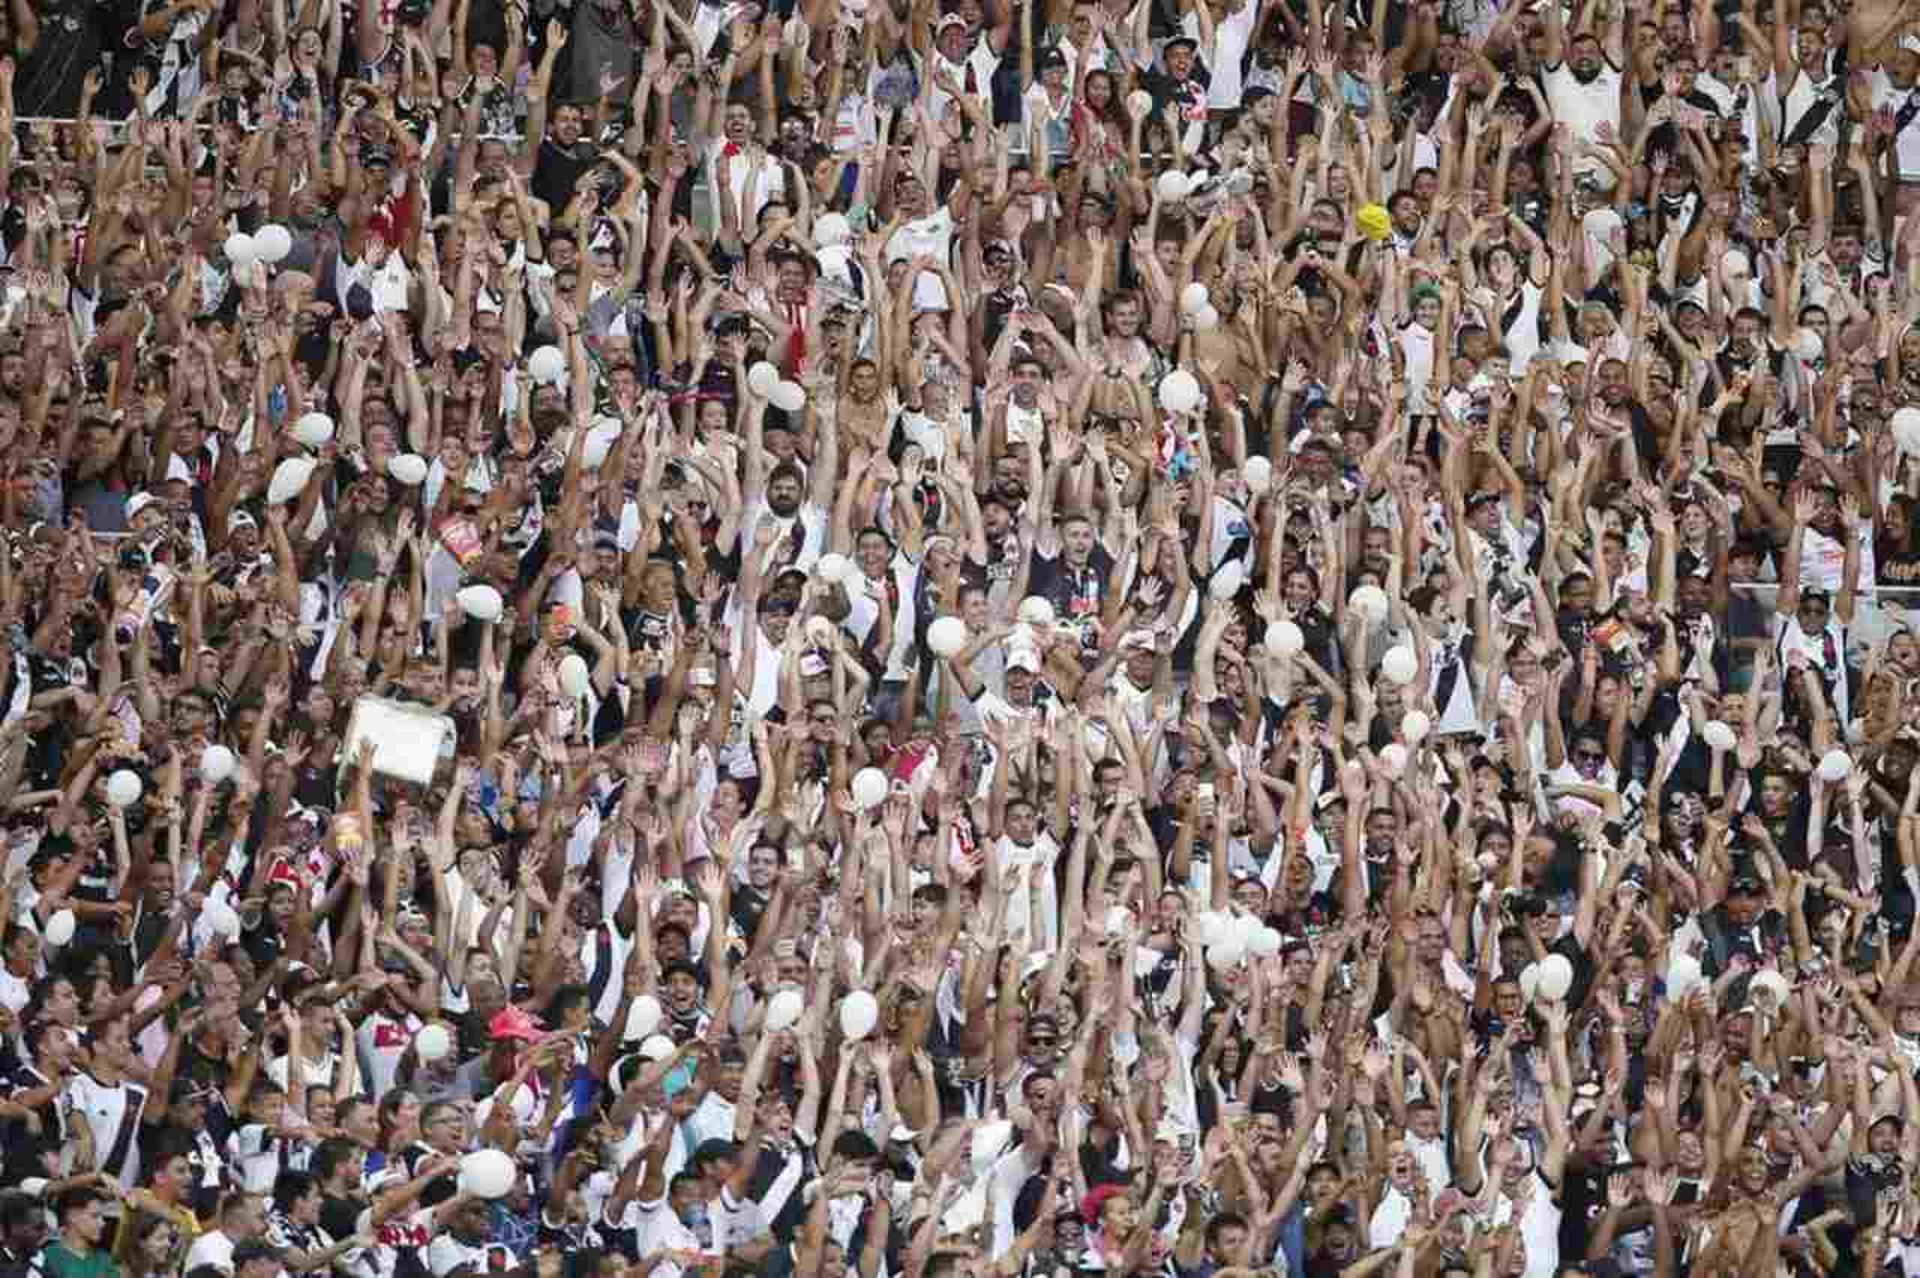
(558, 170)
(340, 1217)
(73, 34)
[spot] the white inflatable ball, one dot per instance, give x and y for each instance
(289, 478)
(482, 603)
(216, 764)
(1036, 610)
(947, 636)
(869, 789)
(833, 569)
(1834, 766)
(783, 1009)
(859, 1013)
(1906, 429)
(1179, 392)
(123, 788)
(487, 1173)
(1370, 602)
(59, 929)
(432, 1042)
(272, 243)
(314, 430)
(1284, 639)
(1399, 665)
(546, 365)
(1556, 977)
(409, 468)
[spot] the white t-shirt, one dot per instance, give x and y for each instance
(1584, 108)
(1231, 35)
(447, 1253)
(932, 235)
(213, 1248)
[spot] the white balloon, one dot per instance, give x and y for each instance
(1284, 639)
(1206, 319)
(1556, 977)
(819, 632)
(1139, 103)
(946, 636)
(1393, 759)
(643, 1017)
(1258, 475)
(762, 378)
(783, 1009)
(409, 468)
(1719, 736)
(1683, 974)
(313, 429)
(1036, 610)
(1906, 429)
(833, 569)
(546, 365)
(573, 674)
(482, 603)
(1415, 725)
(1215, 927)
(1179, 392)
(273, 242)
(1227, 580)
(1400, 665)
(289, 477)
(788, 397)
(216, 764)
(1807, 345)
(657, 1047)
(1265, 941)
(1193, 297)
(1529, 982)
(859, 1013)
(59, 929)
(123, 788)
(1229, 953)
(870, 789)
(432, 1042)
(1370, 602)
(487, 1173)
(1171, 186)
(241, 250)
(1834, 766)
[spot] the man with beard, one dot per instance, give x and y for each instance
(564, 155)
(782, 499)
(1583, 87)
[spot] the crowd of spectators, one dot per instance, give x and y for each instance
(960, 638)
